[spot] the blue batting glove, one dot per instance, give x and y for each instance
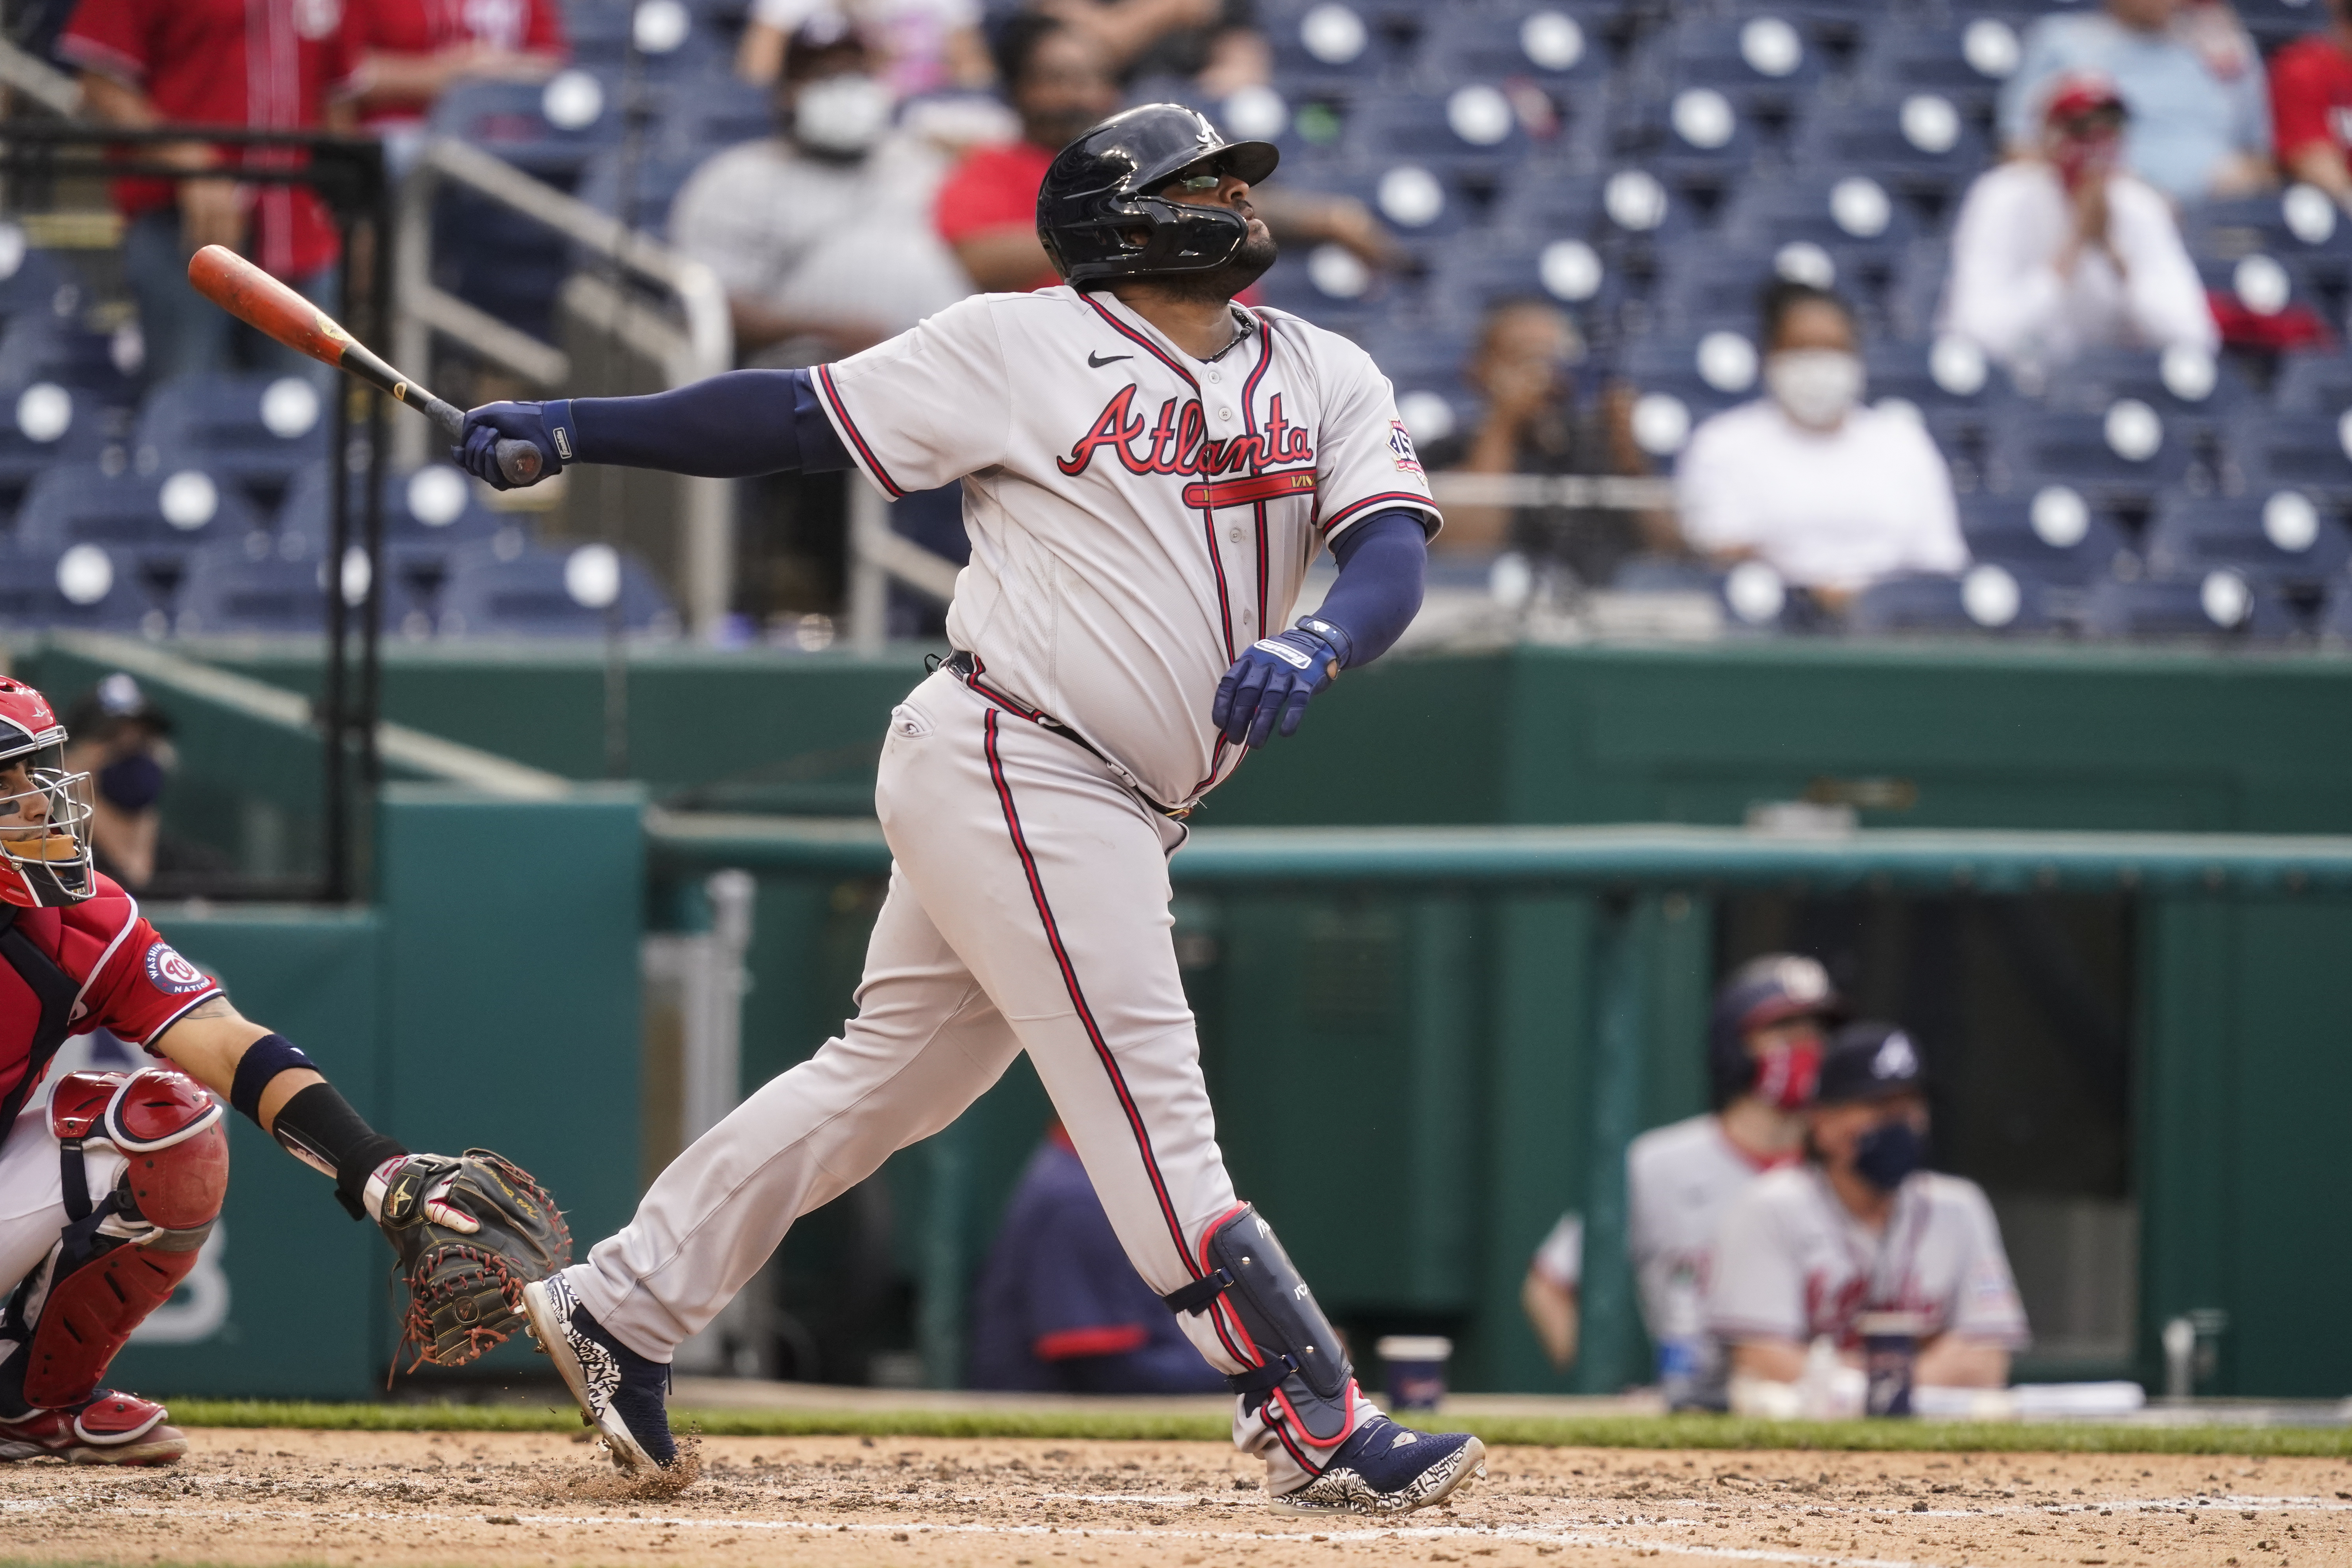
(1265, 692)
(494, 422)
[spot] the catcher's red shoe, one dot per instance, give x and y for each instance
(108, 1428)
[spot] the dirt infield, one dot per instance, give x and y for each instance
(274, 1496)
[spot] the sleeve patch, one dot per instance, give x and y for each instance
(168, 972)
(1401, 450)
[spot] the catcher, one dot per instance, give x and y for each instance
(110, 1182)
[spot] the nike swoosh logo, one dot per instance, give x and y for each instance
(1096, 362)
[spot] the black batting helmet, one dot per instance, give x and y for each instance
(1099, 218)
(1762, 992)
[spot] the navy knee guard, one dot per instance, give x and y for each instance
(1297, 1358)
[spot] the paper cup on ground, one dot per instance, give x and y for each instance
(1416, 1369)
(1890, 1344)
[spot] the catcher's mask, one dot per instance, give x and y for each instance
(45, 857)
(1098, 214)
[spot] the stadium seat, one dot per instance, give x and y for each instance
(2221, 606)
(1574, 274)
(1424, 367)
(229, 591)
(655, 175)
(2300, 226)
(257, 430)
(717, 109)
(2307, 452)
(1921, 145)
(1964, 59)
(161, 518)
(549, 128)
(1679, 381)
(42, 425)
(2270, 296)
(1419, 201)
(540, 592)
(1724, 284)
(1637, 209)
(2053, 536)
(2314, 382)
(1698, 138)
(33, 281)
(1539, 202)
(86, 588)
(1471, 131)
(1850, 210)
(2127, 453)
(2184, 384)
(1764, 58)
(1553, 43)
(1986, 598)
(2283, 537)
(1956, 392)
(1328, 47)
(38, 346)
(435, 507)
(671, 37)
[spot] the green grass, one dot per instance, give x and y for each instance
(1720, 1432)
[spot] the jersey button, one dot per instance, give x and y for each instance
(1235, 534)
(1217, 375)
(1224, 413)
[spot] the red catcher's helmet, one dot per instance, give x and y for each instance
(44, 810)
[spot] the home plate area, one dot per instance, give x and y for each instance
(293, 1497)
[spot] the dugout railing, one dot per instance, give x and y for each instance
(1628, 881)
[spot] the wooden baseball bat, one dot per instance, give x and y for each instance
(261, 302)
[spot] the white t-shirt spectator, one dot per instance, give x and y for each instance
(1793, 1262)
(810, 237)
(2007, 296)
(1837, 509)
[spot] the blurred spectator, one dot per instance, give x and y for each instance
(147, 62)
(1059, 1308)
(1525, 367)
(409, 52)
(1830, 493)
(921, 46)
(1214, 44)
(1862, 1226)
(123, 741)
(2200, 116)
(2060, 251)
(820, 234)
(1059, 82)
(2311, 105)
(1764, 1053)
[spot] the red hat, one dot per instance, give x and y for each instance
(2077, 93)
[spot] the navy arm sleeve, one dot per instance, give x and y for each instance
(730, 426)
(1381, 561)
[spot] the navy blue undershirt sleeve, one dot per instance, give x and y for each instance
(1382, 562)
(730, 426)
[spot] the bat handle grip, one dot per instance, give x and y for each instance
(518, 461)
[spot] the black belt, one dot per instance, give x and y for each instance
(966, 669)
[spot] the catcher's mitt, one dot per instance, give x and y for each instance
(465, 1288)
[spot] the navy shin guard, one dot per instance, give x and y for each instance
(1301, 1362)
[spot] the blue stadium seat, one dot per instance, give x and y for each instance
(549, 128)
(2053, 536)
(42, 425)
(2307, 452)
(2284, 537)
(2182, 383)
(87, 588)
(1554, 42)
(1764, 58)
(1678, 381)
(33, 281)
(1922, 144)
(2128, 453)
(1850, 210)
(1965, 59)
(2300, 226)
(1698, 138)
(655, 175)
(1328, 47)
(1636, 208)
(161, 518)
(1987, 598)
(1418, 201)
(717, 111)
(1542, 203)
(1574, 274)
(1915, 296)
(536, 593)
(1944, 373)
(673, 37)
(1471, 130)
(38, 346)
(2222, 607)
(435, 507)
(2278, 23)
(1425, 364)
(257, 430)
(1724, 284)
(2316, 381)
(2263, 283)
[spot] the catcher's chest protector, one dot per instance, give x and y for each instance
(121, 1257)
(1253, 1288)
(37, 998)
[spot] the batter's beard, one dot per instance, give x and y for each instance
(1229, 277)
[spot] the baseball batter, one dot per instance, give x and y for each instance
(1863, 1226)
(1148, 470)
(110, 1182)
(1764, 1053)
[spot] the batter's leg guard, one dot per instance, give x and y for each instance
(121, 1257)
(1270, 1319)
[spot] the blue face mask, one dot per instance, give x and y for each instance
(1887, 1153)
(131, 782)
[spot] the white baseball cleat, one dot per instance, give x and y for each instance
(620, 1391)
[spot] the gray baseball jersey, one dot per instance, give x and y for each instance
(1138, 517)
(1793, 1262)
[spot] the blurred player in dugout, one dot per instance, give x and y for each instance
(1765, 1042)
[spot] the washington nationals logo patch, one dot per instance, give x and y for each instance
(167, 970)
(1401, 450)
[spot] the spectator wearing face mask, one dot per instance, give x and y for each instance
(2200, 121)
(2062, 250)
(1862, 1226)
(1764, 1053)
(123, 741)
(1829, 492)
(821, 233)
